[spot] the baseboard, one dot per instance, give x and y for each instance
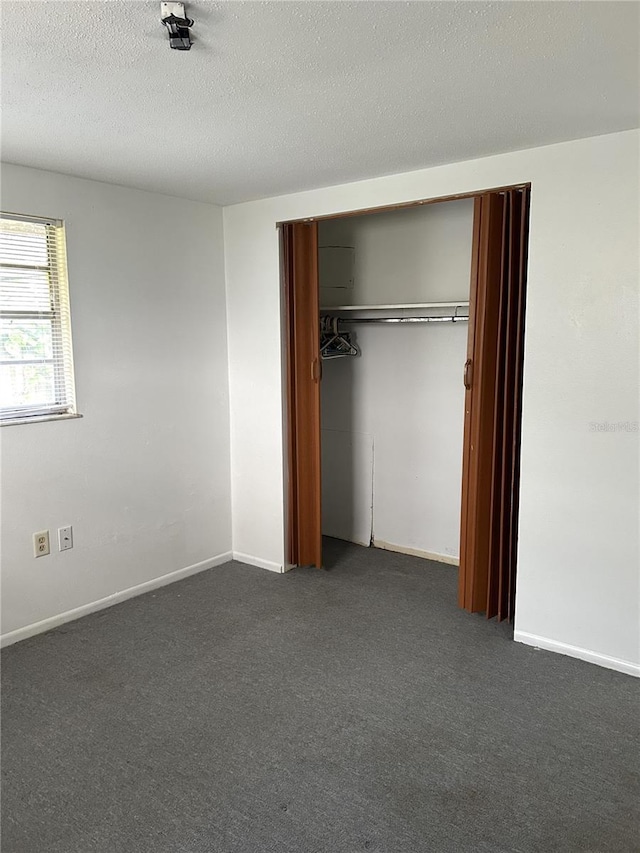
(78, 612)
(625, 666)
(416, 552)
(257, 561)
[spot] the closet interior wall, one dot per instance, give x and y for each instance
(392, 418)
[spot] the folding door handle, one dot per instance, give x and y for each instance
(468, 373)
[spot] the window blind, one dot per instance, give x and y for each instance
(36, 358)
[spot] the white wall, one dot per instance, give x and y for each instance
(413, 255)
(144, 476)
(578, 550)
(393, 417)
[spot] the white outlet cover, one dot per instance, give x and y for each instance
(41, 544)
(65, 538)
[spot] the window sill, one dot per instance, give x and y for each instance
(38, 419)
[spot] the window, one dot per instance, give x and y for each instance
(36, 360)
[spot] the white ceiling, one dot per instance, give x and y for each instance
(276, 97)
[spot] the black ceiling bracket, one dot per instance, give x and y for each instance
(175, 20)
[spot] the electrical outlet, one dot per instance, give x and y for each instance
(65, 538)
(41, 544)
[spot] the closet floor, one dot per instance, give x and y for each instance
(338, 711)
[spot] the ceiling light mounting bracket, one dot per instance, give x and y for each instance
(174, 18)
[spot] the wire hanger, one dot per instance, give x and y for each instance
(335, 344)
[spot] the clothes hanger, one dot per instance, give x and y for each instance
(339, 344)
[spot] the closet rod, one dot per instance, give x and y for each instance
(353, 320)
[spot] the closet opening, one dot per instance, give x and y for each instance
(404, 331)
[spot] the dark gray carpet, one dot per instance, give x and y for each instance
(350, 710)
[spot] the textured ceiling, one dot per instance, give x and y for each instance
(282, 96)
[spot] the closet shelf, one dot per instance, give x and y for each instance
(395, 306)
